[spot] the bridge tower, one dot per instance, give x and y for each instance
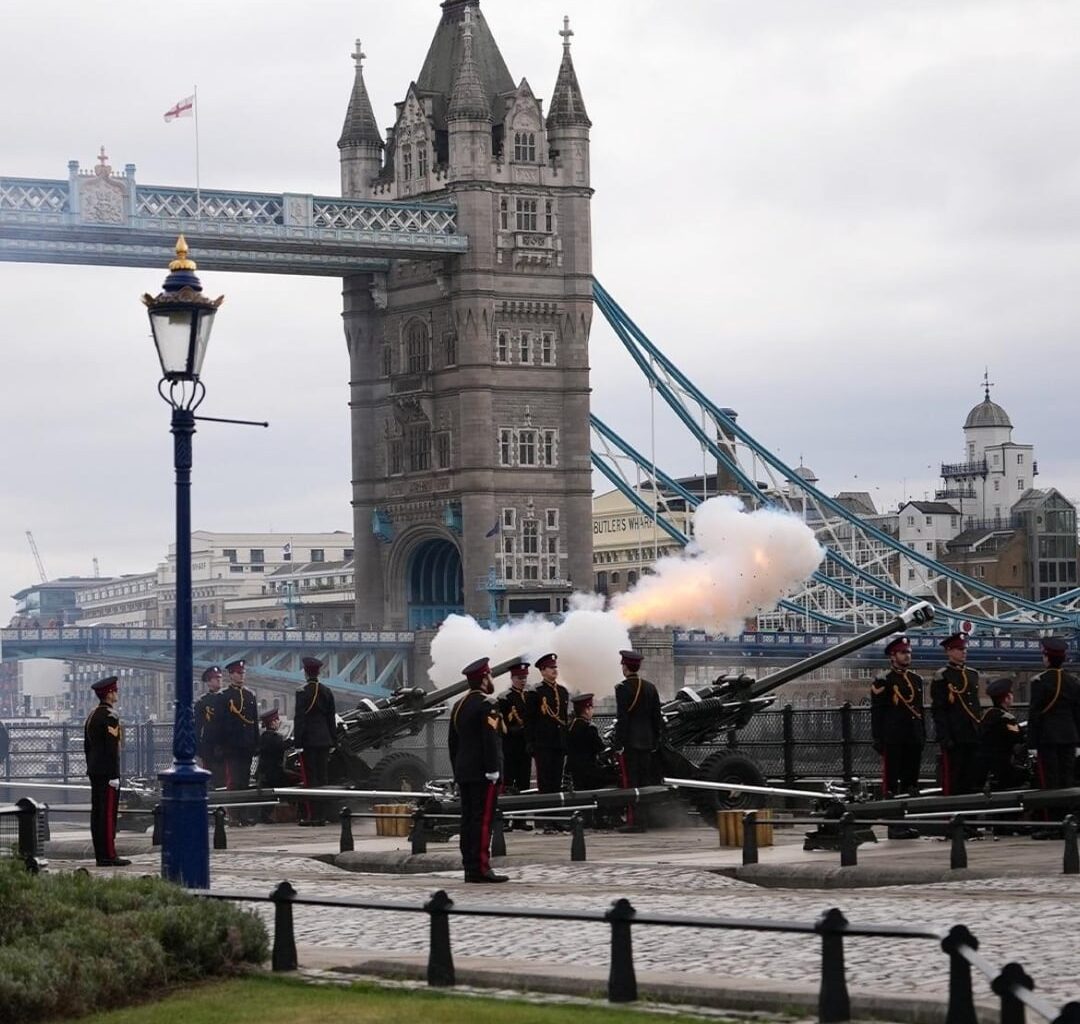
(470, 375)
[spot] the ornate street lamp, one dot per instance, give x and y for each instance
(181, 318)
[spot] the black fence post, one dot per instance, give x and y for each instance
(958, 853)
(787, 722)
(155, 837)
(1071, 864)
(221, 842)
(440, 968)
(849, 847)
(961, 1001)
(833, 1001)
(498, 835)
(847, 751)
(64, 762)
(346, 844)
(1012, 1009)
(622, 981)
(417, 839)
(283, 957)
(577, 829)
(1070, 1014)
(749, 838)
(29, 812)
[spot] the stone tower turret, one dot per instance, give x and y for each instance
(361, 144)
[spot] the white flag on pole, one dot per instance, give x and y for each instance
(182, 109)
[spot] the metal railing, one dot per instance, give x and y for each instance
(1012, 985)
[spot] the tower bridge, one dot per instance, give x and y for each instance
(463, 240)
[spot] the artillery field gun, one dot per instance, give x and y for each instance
(375, 724)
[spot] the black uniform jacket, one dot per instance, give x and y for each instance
(208, 719)
(512, 709)
(475, 737)
(999, 736)
(315, 725)
(102, 737)
(1054, 714)
(545, 717)
(583, 746)
(239, 715)
(896, 708)
(639, 725)
(955, 705)
(270, 770)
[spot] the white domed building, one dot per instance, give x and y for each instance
(995, 470)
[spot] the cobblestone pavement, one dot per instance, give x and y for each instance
(1034, 921)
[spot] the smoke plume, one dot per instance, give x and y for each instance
(738, 564)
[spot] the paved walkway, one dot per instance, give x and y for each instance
(1022, 908)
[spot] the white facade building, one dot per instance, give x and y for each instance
(925, 526)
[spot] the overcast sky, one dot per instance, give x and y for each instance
(831, 215)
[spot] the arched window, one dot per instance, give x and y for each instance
(525, 146)
(406, 162)
(504, 214)
(417, 348)
(421, 159)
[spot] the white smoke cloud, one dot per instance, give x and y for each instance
(739, 564)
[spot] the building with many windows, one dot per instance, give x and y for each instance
(470, 375)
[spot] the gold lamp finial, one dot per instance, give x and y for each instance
(182, 262)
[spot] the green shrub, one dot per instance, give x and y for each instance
(70, 944)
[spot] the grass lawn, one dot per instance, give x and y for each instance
(268, 1000)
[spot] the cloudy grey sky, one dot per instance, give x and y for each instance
(830, 213)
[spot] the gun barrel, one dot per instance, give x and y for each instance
(446, 693)
(919, 614)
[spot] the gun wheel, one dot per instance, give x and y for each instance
(726, 766)
(402, 771)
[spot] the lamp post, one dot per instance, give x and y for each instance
(181, 318)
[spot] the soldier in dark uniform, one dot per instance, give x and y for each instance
(897, 727)
(546, 712)
(583, 745)
(1054, 718)
(999, 737)
(517, 764)
(639, 728)
(239, 713)
(315, 734)
(957, 711)
(208, 727)
(270, 767)
(475, 738)
(102, 739)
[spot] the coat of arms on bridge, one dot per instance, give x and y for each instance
(103, 199)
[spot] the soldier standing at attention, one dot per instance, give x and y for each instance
(897, 727)
(546, 710)
(1054, 718)
(102, 739)
(314, 733)
(239, 735)
(639, 728)
(517, 764)
(955, 706)
(208, 727)
(475, 739)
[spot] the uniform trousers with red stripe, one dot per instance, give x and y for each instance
(1056, 765)
(900, 766)
(636, 770)
(315, 772)
(104, 803)
(961, 769)
(477, 812)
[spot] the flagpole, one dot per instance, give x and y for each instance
(198, 189)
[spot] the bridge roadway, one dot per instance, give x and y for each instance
(364, 662)
(371, 662)
(106, 219)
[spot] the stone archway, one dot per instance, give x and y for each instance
(435, 585)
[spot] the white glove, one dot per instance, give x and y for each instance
(491, 776)
(115, 783)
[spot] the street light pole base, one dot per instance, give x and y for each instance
(185, 840)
